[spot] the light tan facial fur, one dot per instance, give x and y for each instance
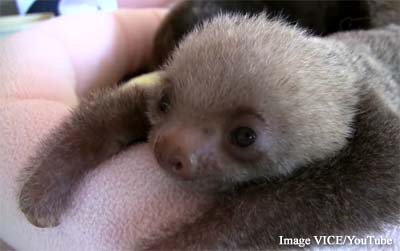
(296, 83)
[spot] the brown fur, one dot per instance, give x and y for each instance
(331, 165)
(351, 193)
(319, 17)
(306, 85)
(212, 91)
(100, 127)
(384, 12)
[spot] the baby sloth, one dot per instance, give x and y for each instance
(298, 135)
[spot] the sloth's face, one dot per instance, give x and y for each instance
(234, 107)
(208, 151)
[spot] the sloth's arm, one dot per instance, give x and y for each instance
(98, 128)
(246, 222)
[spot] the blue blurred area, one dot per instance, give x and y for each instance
(40, 6)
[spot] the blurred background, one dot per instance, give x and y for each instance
(16, 15)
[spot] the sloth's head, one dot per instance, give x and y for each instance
(243, 98)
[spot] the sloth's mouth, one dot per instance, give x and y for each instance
(201, 184)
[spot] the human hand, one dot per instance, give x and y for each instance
(66, 57)
(74, 57)
(43, 73)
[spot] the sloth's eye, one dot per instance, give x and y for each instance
(243, 136)
(164, 104)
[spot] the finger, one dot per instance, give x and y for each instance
(72, 55)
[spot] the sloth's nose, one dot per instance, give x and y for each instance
(178, 164)
(182, 151)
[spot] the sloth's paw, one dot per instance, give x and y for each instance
(41, 203)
